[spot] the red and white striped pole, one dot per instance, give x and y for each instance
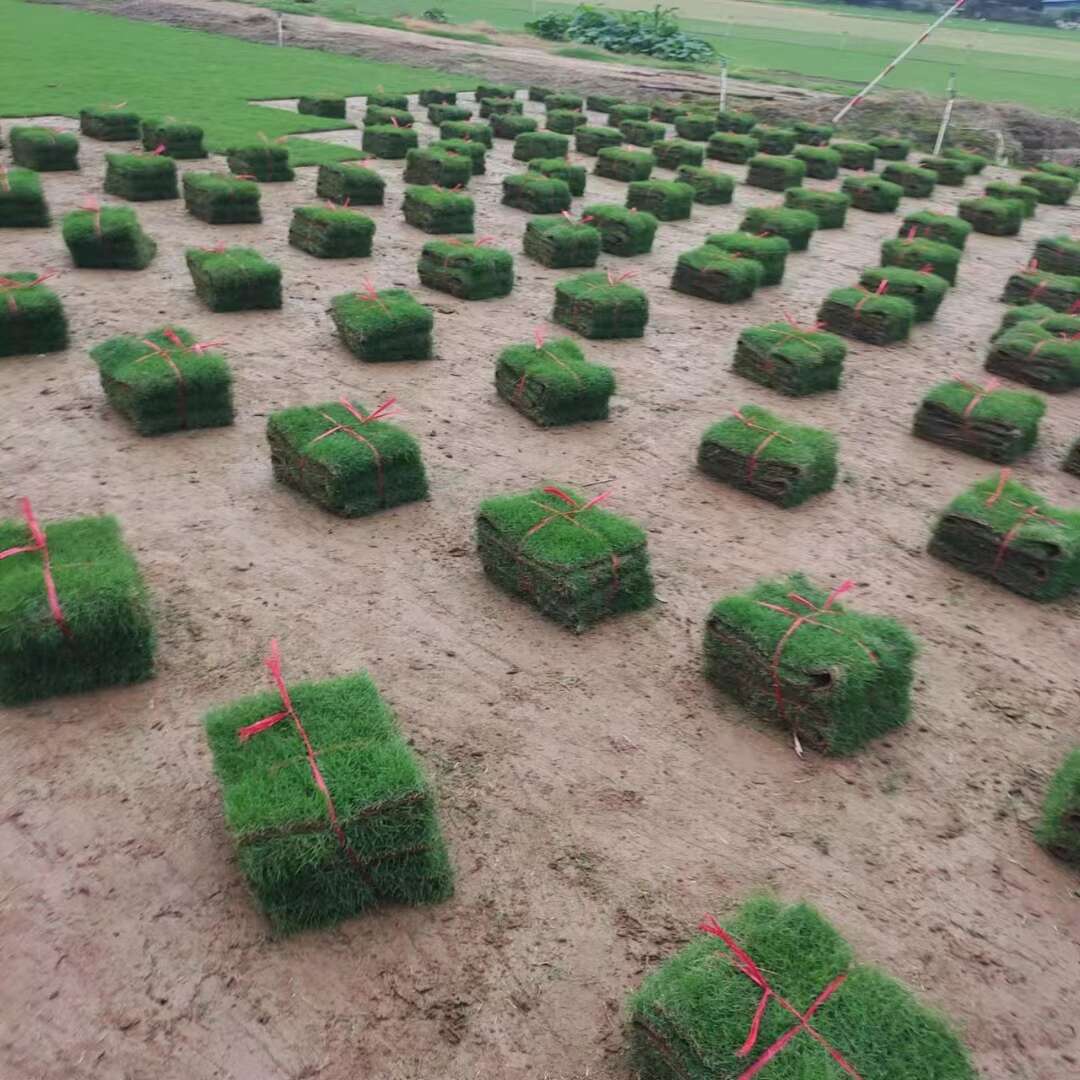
(914, 45)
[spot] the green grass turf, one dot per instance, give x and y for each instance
(866, 316)
(789, 359)
(560, 244)
(714, 274)
(234, 279)
(22, 200)
(383, 326)
(829, 207)
(836, 696)
(795, 226)
(220, 199)
(331, 233)
(711, 188)
(466, 270)
(111, 239)
(1058, 255)
(692, 1014)
(770, 252)
(666, 200)
(993, 216)
(622, 231)
(1059, 829)
(1042, 353)
(32, 317)
(598, 305)
(924, 290)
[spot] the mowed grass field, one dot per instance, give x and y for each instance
(56, 61)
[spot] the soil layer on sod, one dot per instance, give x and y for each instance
(234, 279)
(561, 244)
(1059, 828)
(466, 270)
(22, 200)
(43, 149)
(714, 274)
(1039, 354)
(770, 252)
(221, 200)
(601, 305)
(622, 231)
(353, 185)
(141, 177)
(32, 317)
(107, 239)
(789, 359)
(867, 316)
(1071, 464)
(574, 561)
(383, 325)
(331, 233)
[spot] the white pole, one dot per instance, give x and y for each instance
(280, 30)
(946, 116)
(918, 41)
(723, 84)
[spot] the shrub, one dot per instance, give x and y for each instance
(695, 126)
(262, 161)
(22, 200)
(642, 132)
(140, 177)
(43, 149)
(394, 143)
(561, 99)
(181, 141)
(564, 121)
(1058, 255)
(352, 185)
(1058, 291)
(234, 279)
(591, 140)
(891, 147)
(737, 122)
(671, 153)
(774, 140)
(552, 383)
(115, 124)
(329, 233)
(469, 271)
(540, 144)
(107, 239)
(624, 111)
(437, 167)
(655, 32)
(775, 173)
(1039, 354)
(999, 425)
(914, 254)
(829, 207)
(74, 613)
(810, 134)
(497, 106)
(714, 274)
(435, 97)
(560, 243)
(573, 561)
(856, 155)
(476, 152)
(733, 147)
(1059, 829)
(574, 176)
(756, 451)
(32, 318)
(322, 105)
(601, 305)
(915, 182)
(618, 164)
(437, 211)
(822, 162)
(790, 359)
(314, 850)
(949, 171)
(383, 100)
(711, 188)
(795, 226)
(221, 199)
(165, 381)
(510, 125)
(755, 652)
(622, 231)
(941, 228)
(995, 217)
(975, 162)
(1027, 195)
(923, 289)
(770, 252)
(666, 200)
(383, 325)
(872, 193)
(866, 316)
(449, 114)
(536, 193)
(1001, 530)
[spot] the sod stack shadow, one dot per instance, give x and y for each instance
(1053, 190)
(1001, 530)
(22, 200)
(574, 176)
(553, 384)
(731, 147)
(789, 359)
(671, 153)
(264, 162)
(622, 231)
(32, 317)
(437, 167)
(865, 316)
(994, 217)
(591, 140)
(322, 105)
(181, 141)
(775, 173)
(942, 228)
(1060, 292)
(689, 1020)
(924, 289)
(713, 274)
(564, 121)
(599, 305)
(467, 271)
(141, 177)
(476, 152)
(383, 844)
(914, 254)
(575, 563)
(995, 424)
(107, 637)
(221, 200)
(536, 193)
(758, 452)
(770, 252)
(1058, 255)
(666, 200)
(383, 326)
(109, 124)
(353, 185)
(560, 243)
(165, 381)
(1033, 353)
(438, 212)
(1059, 827)
(891, 147)
(391, 143)
(107, 239)
(873, 194)
(330, 233)
(829, 207)
(1027, 195)
(43, 149)
(234, 279)
(916, 183)
(795, 226)
(822, 163)
(711, 188)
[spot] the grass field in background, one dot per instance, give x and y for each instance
(56, 61)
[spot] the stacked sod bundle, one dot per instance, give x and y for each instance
(1053, 190)
(437, 167)
(948, 171)
(383, 325)
(495, 90)
(775, 173)
(1026, 195)
(995, 217)
(756, 451)
(829, 207)
(31, 316)
(789, 359)
(74, 613)
(623, 111)
(1044, 316)
(666, 200)
(574, 176)
(510, 125)
(552, 383)
(433, 96)
(350, 461)
(618, 164)
(695, 126)
(382, 100)
(915, 182)
(540, 144)
(668, 112)
(788, 652)
(795, 226)
(539, 93)
(1033, 353)
(774, 140)
(942, 228)
(737, 122)
(891, 147)
(573, 561)
(1004, 531)
(221, 200)
(443, 114)
(107, 239)
(476, 152)
(43, 149)
(561, 100)
(999, 425)
(264, 161)
(601, 306)
(711, 188)
(561, 243)
(536, 193)
(466, 270)
(714, 274)
(914, 254)
(181, 141)
(821, 162)
(1058, 255)
(671, 153)
(975, 162)
(461, 129)
(1060, 292)
(591, 140)
(867, 316)
(234, 279)
(602, 103)
(322, 105)
(390, 142)
(872, 193)
(352, 185)
(731, 147)
(565, 121)
(387, 116)
(691, 1018)
(1059, 829)
(924, 289)
(349, 827)
(1056, 168)
(622, 231)
(165, 381)
(499, 106)
(110, 124)
(810, 134)
(1071, 464)
(770, 252)
(437, 211)
(22, 200)
(141, 177)
(330, 233)
(856, 155)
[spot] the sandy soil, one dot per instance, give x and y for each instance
(599, 797)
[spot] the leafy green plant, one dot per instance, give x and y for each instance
(435, 15)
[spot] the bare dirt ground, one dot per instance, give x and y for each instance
(598, 795)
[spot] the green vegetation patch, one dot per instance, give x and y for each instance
(829, 207)
(942, 228)
(974, 162)
(350, 185)
(552, 383)
(872, 193)
(32, 317)
(22, 200)
(666, 200)
(739, 123)
(995, 217)
(1058, 255)
(949, 171)
(789, 359)
(770, 252)
(392, 143)
(1059, 829)
(914, 253)
(437, 167)
(811, 134)
(775, 173)
(601, 305)
(442, 114)
(671, 153)
(856, 155)
(384, 100)
(618, 164)
(695, 126)
(109, 124)
(795, 226)
(221, 200)
(495, 90)
(774, 140)
(711, 188)
(714, 274)
(734, 147)
(822, 162)
(602, 103)
(264, 161)
(565, 121)
(622, 231)
(1058, 291)
(573, 176)
(916, 183)
(107, 239)
(180, 141)
(626, 111)
(924, 289)
(234, 279)
(591, 140)
(322, 105)
(510, 125)
(499, 106)
(891, 147)
(1039, 354)
(999, 189)
(437, 211)
(540, 144)
(432, 96)
(470, 271)
(1055, 168)
(476, 152)
(383, 325)
(141, 177)
(642, 132)
(469, 131)
(561, 243)
(388, 116)
(331, 233)
(43, 150)
(536, 193)
(867, 316)
(560, 99)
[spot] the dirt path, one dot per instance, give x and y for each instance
(597, 795)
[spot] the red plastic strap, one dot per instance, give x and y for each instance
(978, 393)
(744, 964)
(770, 434)
(8, 285)
(40, 544)
(538, 337)
(1029, 514)
(883, 285)
(570, 516)
(383, 412)
(371, 295)
(164, 355)
(94, 207)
